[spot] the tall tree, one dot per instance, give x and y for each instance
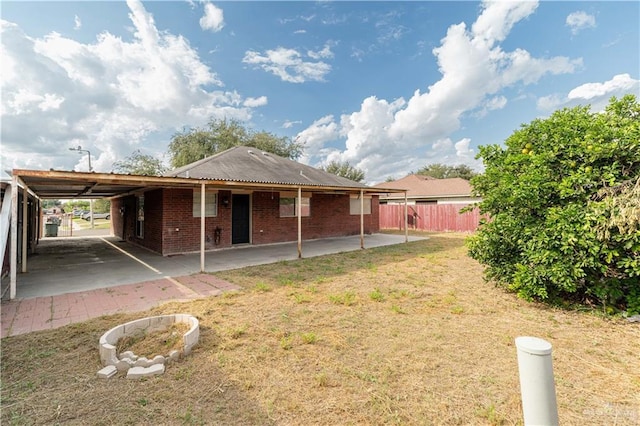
(195, 144)
(562, 197)
(443, 171)
(101, 205)
(344, 169)
(140, 164)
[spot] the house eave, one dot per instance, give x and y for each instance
(56, 184)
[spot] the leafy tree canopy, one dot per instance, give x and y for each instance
(344, 169)
(219, 135)
(48, 204)
(140, 164)
(76, 204)
(562, 198)
(442, 171)
(101, 205)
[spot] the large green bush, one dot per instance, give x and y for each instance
(563, 203)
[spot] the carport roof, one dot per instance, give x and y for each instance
(68, 184)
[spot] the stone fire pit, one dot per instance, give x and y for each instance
(138, 367)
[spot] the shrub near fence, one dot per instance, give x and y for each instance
(429, 217)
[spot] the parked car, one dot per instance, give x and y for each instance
(80, 213)
(87, 216)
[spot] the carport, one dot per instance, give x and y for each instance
(78, 185)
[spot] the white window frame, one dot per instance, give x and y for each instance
(354, 205)
(306, 202)
(210, 201)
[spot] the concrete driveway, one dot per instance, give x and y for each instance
(68, 265)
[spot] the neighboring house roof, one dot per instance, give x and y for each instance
(251, 165)
(419, 186)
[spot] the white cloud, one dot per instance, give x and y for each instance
(618, 85)
(492, 104)
(77, 23)
(579, 21)
(325, 53)
(498, 18)
(497, 102)
(367, 130)
(289, 65)
(474, 69)
(463, 151)
(596, 95)
(321, 131)
(111, 96)
(255, 102)
(387, 28)
(213, 18)
(300, 32)
(289, 124)
(550, 102)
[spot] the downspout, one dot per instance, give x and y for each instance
(361, 218)
(202, 224)
(13, 262)
(406, 220)
(299, 222)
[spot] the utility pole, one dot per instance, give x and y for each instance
(80, 150)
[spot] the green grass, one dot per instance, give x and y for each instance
(419, 338)
(348, 298)
(376, 295)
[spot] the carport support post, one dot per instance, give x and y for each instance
(13, 261)
(91, 212)
(361, 219)
(299, 222)
(25, 225)
(406, 219)
(202, 224)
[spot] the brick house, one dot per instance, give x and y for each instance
(422, 189)
(250, 197)
(241, 196)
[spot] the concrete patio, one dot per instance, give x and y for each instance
(75, 279)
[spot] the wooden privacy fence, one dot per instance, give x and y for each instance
(429, 217)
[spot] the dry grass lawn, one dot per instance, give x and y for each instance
(409, 334)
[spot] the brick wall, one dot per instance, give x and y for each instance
(329, 218)
(126, 217)
(181, 231)
(170, 227)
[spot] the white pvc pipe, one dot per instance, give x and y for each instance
(536, 381)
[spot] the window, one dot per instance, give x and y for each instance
(210, 202)
(354, 207)
(289, 206)
(140, 216)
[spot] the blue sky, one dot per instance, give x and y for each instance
(388, 86)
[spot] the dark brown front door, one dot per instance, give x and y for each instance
(240, 218)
